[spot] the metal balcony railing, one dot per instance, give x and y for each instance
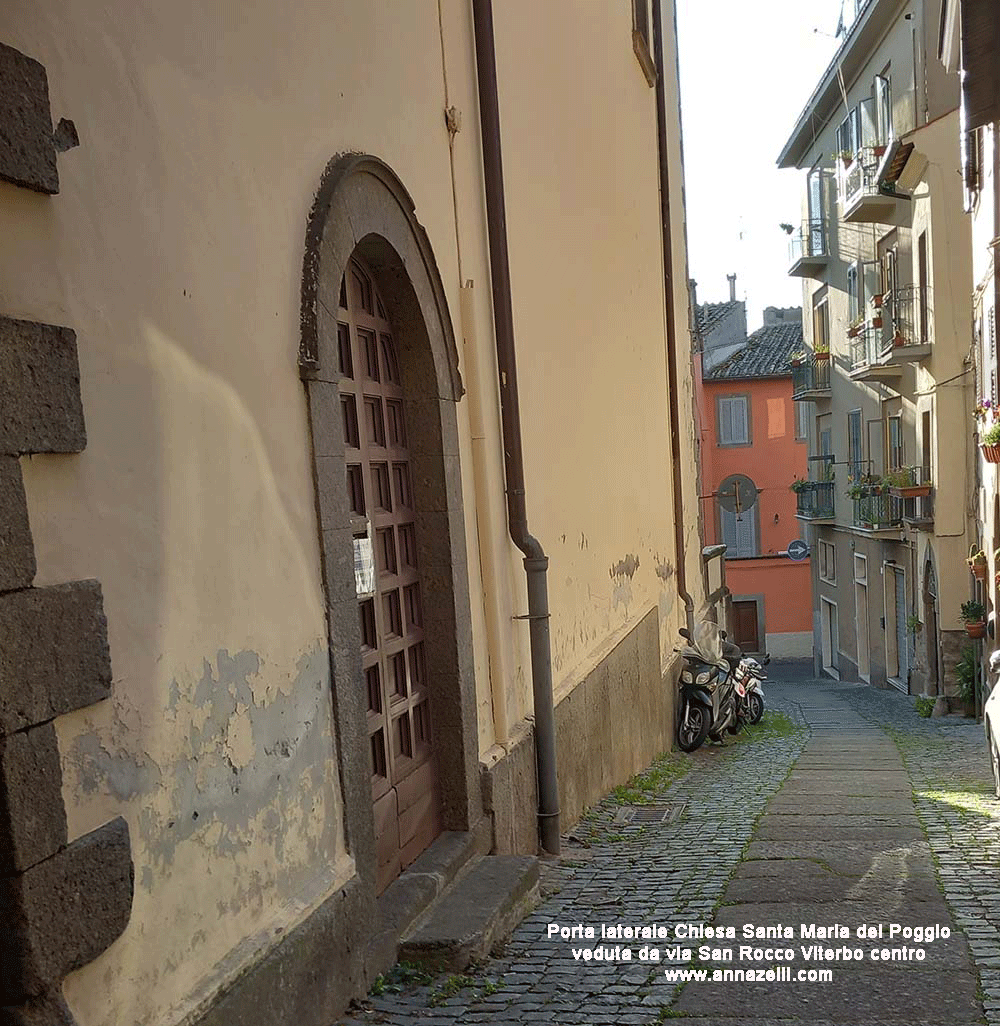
(907, 317)
(808, 242)
(878, 510)
(811, 375)
(865, 346)
(815, 498)
(859, 179)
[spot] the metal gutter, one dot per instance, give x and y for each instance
(666, 236)
(535, 561)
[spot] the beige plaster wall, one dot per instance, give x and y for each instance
(174, 249)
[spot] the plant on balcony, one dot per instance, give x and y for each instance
(821, 351)
(977, 563)
(990, 444)
(877, 300)
(866, 484)
(797, 358)
(973, 613)
(854, 328)
(903, 483)
(846, 157)
(877, 321)
(800, 484)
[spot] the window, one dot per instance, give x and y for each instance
(855, 447)
(853, 293)
(883, 108)
(642, 39)
(733, 414)
(821, 327)
(894, 426)
(827, 562)
(739, 532)
(802, 411)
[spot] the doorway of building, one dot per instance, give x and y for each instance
(861, 618)
(745, 625)
(931, 630)
(896, 654)
(829, 637)
(404, 777)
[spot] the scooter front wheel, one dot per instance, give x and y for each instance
(693, 728)
(756, 704)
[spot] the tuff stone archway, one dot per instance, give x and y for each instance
(363, 211)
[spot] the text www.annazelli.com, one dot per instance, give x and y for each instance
(783, 974)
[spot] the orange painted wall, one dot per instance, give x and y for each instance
(772, 462)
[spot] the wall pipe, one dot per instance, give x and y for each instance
(666, 236)
(535, 561)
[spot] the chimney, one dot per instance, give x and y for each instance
(732, 287)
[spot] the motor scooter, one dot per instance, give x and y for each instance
(707, 688)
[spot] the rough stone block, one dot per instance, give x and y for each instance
(47, 1010)
(40, 405)
(27, 150)
(32, 816)
(65, 911)
(17, 551)
(54, 655)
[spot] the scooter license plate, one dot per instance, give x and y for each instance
(740, 690)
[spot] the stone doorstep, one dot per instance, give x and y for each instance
(481, 908)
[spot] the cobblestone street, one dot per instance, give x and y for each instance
(844, 807)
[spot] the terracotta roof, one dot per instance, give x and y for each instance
(711, 314)
(764, 356)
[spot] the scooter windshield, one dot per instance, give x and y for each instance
(707, 642)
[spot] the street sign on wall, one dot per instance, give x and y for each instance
(797, 550)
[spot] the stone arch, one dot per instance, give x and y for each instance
(362, 210)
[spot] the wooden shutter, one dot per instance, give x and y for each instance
(980, 46)
(741, 429)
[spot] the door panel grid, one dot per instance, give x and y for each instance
(404, 779)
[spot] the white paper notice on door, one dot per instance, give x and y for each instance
(364, 567)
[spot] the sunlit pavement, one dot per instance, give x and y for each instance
(849, 810)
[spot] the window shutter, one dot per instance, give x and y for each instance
(746, 535)
(725, 422)
(981, 69)
(741, 434)
(728, 521)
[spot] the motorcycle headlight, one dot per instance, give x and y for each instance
(704, 677)
(686, 676)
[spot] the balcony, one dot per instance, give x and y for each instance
(867, 192)
(878, 512)
(815, 498)
(907, 318)
(811, 378)
(914, 487)
(867, 349)
(808, 250)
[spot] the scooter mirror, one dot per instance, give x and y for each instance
(767, 660)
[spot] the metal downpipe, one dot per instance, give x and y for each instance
(673, 399)
(535, 561)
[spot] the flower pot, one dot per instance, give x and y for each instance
(822, 356)
(852, 332)
(911, 491)
(976, 630)
(898, 342)
(991, 453)
(980, 571)
(876, 322)
(877, 301)
(879, 151)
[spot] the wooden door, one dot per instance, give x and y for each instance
(745, 632)
(403, 772)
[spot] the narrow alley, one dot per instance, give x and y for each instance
(845, 808)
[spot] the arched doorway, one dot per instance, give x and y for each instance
(380, 364)
(406, 803)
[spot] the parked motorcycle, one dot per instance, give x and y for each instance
(708, 696)
(749, 675)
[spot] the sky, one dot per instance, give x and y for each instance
(746, 71)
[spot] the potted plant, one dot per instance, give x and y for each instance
(977, 563)
(854, 328)
(846, 157)
(822, 351)
(974, 616)
(800, 484)
(859, 487)
(877, 321)
(797, 358)
(903, 483)
(966, 671)
(990, 444)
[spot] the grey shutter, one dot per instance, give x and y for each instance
(725, 421)
(980, 64)
(746, 534)
(741, 432)
(728, 521)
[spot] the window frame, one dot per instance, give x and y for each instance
(747, 406)
(642, 39)
(827, 559)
